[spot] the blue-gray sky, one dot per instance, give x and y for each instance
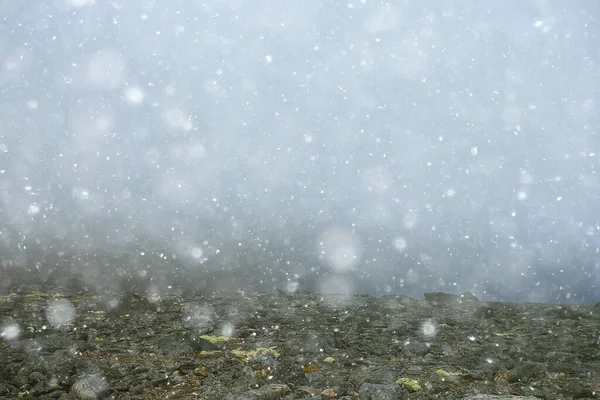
(356, 146)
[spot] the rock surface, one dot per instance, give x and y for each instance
(82, 345)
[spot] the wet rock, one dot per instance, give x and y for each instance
(297, 346)
(450, 300)
(372, 391)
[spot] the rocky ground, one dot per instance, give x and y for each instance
(82, 345)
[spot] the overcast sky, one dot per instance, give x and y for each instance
(355, 146)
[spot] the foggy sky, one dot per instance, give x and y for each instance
(357, 146)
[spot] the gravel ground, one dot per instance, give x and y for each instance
(69, 344)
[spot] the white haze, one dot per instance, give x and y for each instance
(358, 146)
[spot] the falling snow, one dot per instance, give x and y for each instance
(361, 147)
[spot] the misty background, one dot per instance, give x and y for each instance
(355, 146)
